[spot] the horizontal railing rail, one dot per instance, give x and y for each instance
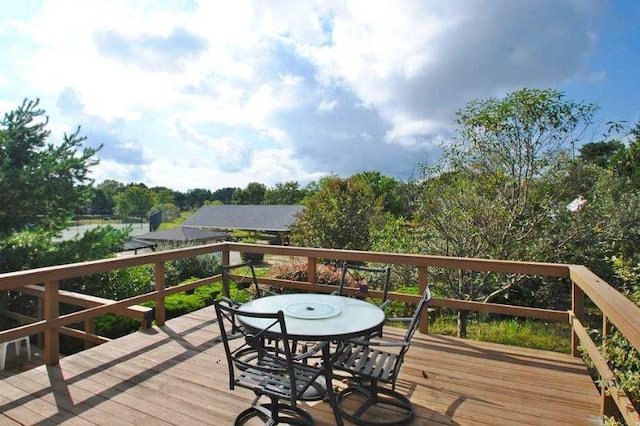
(44, 283)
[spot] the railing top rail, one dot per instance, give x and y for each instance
(622, 312)
(488, 265)
(59, 272)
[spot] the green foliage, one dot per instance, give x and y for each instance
(181, 303)
(288, 193)
(340, 215)
(385, 189)
(600, 153)
(135, 200)
(116, 284)
(256, 258)
(162, 195)
(501, 190)
(114, 326)
(253, 194)
(202, 266)
(518, 332)
(224, 195)
(38, 179)
(170, 212)
(195, 198)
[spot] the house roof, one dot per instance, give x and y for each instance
(182, 234)
(133, 244)
(247, 217)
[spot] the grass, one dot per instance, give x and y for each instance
(177, 222)
(527, 333)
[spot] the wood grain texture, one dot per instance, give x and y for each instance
(177, 375)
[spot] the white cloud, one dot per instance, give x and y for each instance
(326, 106)
(215, 95)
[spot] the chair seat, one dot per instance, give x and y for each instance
(270, 376)
(366, 361)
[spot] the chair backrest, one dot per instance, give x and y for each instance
(415, 320)
(366, 278)
(413, 326)
(244, 277)
(258, 356)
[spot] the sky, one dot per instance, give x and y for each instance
(204, 94)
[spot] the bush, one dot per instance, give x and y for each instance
(296, 270)
(255, 258)
(181, 303)
(114, 326)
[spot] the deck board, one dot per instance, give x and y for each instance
(177, 375)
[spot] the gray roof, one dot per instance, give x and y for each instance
(132, 244)
(248, 217)
(182, 234)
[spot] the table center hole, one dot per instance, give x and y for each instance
(310, 308)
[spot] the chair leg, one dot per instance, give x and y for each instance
(374, 405)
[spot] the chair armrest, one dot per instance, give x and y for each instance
(384, 304)
(231, 303)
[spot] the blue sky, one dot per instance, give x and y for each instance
(201, 94)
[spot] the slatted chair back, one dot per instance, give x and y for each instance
(262, 364)
(415, 320)
(370, 363)
(364, 358)
(367, 278)
(243, 276)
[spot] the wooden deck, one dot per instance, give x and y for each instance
(177, 375)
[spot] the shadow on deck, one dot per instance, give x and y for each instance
(177, 374)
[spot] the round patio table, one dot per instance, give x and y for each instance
(317, 317)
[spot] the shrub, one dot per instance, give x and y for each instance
(181, 303)
(296, 270)
(114, 326)
(255, 258)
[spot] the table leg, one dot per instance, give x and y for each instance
(326, 361)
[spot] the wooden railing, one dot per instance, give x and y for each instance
(616, 309)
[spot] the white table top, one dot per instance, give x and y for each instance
(317, 316)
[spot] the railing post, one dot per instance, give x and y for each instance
(423, 282)
(226, 260)
(40, 316)
(311, 269)
(89, 327)
(51, 334)
(159, 287)
(577, 306)
(607, 404)
(226, 256)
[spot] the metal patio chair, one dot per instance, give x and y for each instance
(367, 278)
(243, 276)
(267, 369)
(371, 363)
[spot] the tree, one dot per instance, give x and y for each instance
(135, 200)
(195, 198)
(41, 185)
(253, 194)
(600, 153)
(163, 195)
(387, 189)
(224, 195)
(170, 212)
(500, 187)
(110, 188)
(287, 193)
(38, 179)
(340, 215)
